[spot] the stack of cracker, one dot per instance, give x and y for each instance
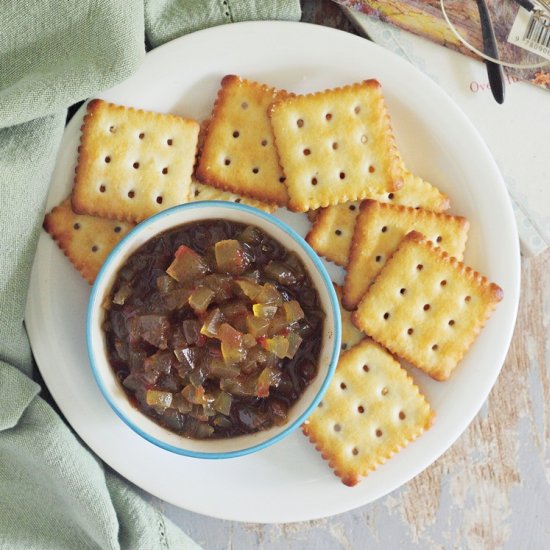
(131, 165)
(238, 153)
(300, 151)
(375, 218)
(371, 410)
(332, 154)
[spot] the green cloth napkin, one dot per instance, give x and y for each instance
(54, 493)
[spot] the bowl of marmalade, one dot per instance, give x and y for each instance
(213, 330)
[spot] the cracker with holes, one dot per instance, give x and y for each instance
(426, 306)
(201, 192)
(332, 230)
(132, 163)
(371, 410)
(238, 154)
(351, 335)
(379, 229)
(85, 240)
(336, 146)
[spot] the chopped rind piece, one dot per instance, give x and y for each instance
(269, 295)
(294, 341)
(264, 311)
(122, 293)
(293, 311)
(194, 395)
(160, 400)
(232, 344)
(187, 265)
(257, 326)
(268, 377)
(217, 369)
(231, 257)
(200, 299)
(212, 323)
(250, 289)
(222, 403)
(277, 345)
(151, 328)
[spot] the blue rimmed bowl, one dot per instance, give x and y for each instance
(112, 389)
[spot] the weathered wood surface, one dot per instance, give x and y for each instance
(491, 489)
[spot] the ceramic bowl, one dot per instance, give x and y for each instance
(112, 389)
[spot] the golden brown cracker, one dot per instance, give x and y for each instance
(132, 163)
(351, 335)
(238, 154)
(201, 192)
(371, 410)
(85, 240)
(336, 146)
(378, 231)
(426, 306)
(332, 230)
(417, 193)
(202, 133)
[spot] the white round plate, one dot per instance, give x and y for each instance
(289, 481)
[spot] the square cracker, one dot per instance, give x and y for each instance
(378, 231)
(132, 163)
(336, 146)
(332, 230)
(85, 240)
(427, 307)
(238, 154)
(201, 192)
(371, 410)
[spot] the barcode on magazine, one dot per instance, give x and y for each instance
(531, 31)
(538, 31)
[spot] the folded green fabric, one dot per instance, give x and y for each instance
(53, 492)
(55, 53)
(168, 19)
(56, 494)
